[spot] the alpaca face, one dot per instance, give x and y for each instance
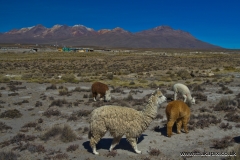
(107, 96)
(159, 97)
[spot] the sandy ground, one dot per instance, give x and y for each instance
(200, 140)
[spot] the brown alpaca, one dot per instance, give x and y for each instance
(177, 111)
(102, 90)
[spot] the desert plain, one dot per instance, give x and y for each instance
(45, 102)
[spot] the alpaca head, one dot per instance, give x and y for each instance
(158, 98)
(107, 96)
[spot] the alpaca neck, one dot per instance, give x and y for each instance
(189, 97)
(150, 111)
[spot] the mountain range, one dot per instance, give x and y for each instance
(79, 35)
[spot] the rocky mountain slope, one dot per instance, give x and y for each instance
(79, 35)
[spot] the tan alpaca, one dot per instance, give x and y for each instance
(177, 111)
(121, 121)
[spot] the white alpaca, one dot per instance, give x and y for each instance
(183, 89)
(121, 121)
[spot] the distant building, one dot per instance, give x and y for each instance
(66, 49)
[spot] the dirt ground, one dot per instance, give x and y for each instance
(23, 137)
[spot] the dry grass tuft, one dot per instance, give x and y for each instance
(200, 96)
(52, 112)
(226, 105)
(202, 121)
(3, 126)
(223, 143)
(59, 103)
(232, 117)
(72, 148)
(112, 153)
(53, 86)
(67, 134)
(55, 130)
(225, 126)
(8, 155)
(29, 125)
(12, 113)
(154, 152)
(60, 156)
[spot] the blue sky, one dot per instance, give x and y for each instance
(213, 21)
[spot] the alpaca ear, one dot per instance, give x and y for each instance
(155, 91)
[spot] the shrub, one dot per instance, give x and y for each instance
(13, 94)
(110, 76)
(224, 105)
(132, 83)
(225, 126)
(184, 74)
(63, 91)
(82, 113)
(112, 153)
(22, 137)
(69, 78)
(223, 143)
(55, 130)
(51, 112)
(72, 147)
(3, 126)
(31, 148)
(4, 79)
(53, 86)
(129, 97)
(85, 129)
(30, 124)
(58, 102)
(85, 96)
(72, 118)
(224, 90)
(36, 148)
(27, 76)
(60, 156)
(38, 104)
(202, 121)
(8, 155)
(153, 85)
(200, 96)
(204, 109)
(12, 113)
(232, 117)
(198, 88)
(67, 134)
(153, 152)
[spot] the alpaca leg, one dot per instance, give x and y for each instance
(93, 143)
(133, 143)
(94, 96)
(101, 97)
(185, 122)
(169, 128)
(115, 141)
(179, 125)
(175, 96)
(95, 138)
(185, 98)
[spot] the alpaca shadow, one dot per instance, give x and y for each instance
(105, 143)
(163, 130)
(236, 139)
